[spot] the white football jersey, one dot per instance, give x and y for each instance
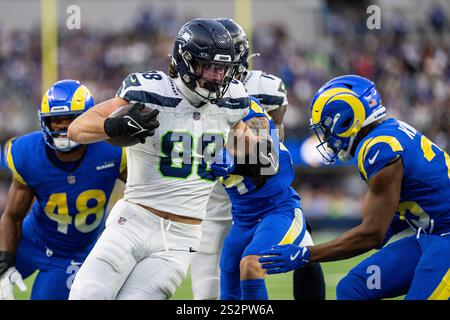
(268, 89)
(219, 205)
(170, 171)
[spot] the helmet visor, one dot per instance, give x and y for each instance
(216, 73)
(213, 78)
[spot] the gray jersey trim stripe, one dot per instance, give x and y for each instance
(153, 98)
(269, 100)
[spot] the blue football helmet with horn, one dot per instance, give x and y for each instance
(67, 98)
(339, 110)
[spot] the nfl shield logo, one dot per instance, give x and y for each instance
(71, 179)
(121, 220)
(196, 115)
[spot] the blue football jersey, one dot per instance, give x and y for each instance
(425, 191)
(249, 203)
(69, 211)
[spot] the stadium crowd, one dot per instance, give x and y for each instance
(408, 62)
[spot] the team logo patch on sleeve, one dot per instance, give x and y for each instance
(131, 80)
(282, 87)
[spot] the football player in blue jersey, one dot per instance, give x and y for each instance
(269, 90)
(72, 184)
(409, 186)
(265, 209)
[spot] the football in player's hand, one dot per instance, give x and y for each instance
(124, 140)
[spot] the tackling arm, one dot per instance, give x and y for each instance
(378, 209)
(246, 135)
(251, 147)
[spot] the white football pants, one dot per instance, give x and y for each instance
(138, 256)
(205, 267)
(205, 270)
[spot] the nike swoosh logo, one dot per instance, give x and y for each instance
(372, 160)
(132, 125)
(293, 257)
(271, 160)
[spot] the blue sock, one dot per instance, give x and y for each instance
(229, 285)
(254, 289)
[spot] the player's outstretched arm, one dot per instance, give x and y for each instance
(379, 207)
(240, 139)
(244, 136)
(251, 139)
(89, 127)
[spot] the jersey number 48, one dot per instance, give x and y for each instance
(57, 209)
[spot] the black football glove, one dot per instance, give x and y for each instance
(133, 123)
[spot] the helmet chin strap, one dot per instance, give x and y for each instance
(190, 95)
(344, 155)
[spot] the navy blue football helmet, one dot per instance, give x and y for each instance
(241, 44)
(204, 58)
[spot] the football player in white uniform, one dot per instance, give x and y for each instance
(151, 234)
(271, 92)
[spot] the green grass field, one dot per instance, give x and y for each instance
(279, 286)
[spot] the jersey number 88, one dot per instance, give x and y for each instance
(179, 161)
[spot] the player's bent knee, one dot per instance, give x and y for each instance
(205, 274)
(90, 290)
(350, 288)
(250, 268)
(165, 284)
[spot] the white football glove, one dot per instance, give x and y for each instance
(7, 281)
